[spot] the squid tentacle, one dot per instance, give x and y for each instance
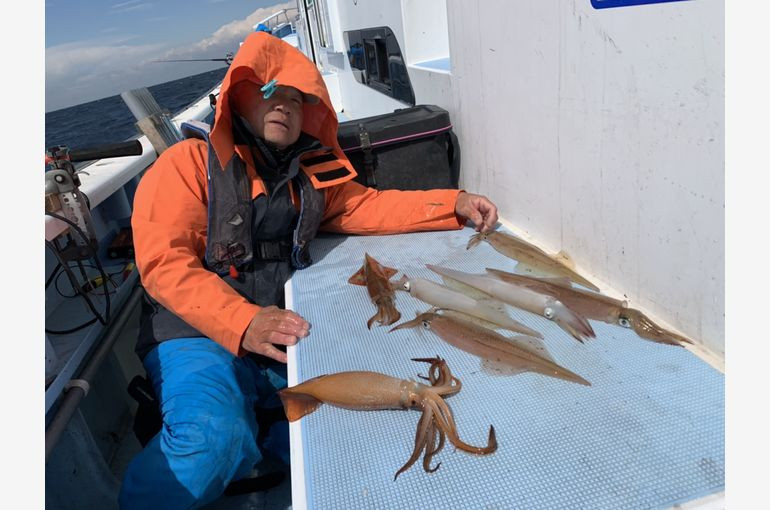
(434, 372)
(446, 423)
(444, 374)
(386, 313)
(449, 389)
(440, 376)
(424, 428)
(430, 452)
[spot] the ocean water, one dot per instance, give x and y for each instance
(109, 120)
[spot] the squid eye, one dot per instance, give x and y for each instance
(548, 312)
(426, 324)
(623, 321)
(407, 285)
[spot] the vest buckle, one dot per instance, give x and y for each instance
(273, 250)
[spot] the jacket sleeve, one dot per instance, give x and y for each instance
(169, 226)
(356, 209)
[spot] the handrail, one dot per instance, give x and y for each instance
(104, 177)
(78, 388)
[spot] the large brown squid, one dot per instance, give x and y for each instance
(366, 391)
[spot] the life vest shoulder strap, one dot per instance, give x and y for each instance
(325, 168)
(195, 129)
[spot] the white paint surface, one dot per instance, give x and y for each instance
(597, 132)
(332, 82)
(298, 482)
(359, 100)
(425, 30)
(601, 133)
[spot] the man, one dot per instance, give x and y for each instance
(218, 227)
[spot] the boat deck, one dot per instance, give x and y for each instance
(648, 432)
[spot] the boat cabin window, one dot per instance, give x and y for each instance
(377, 62)
(317, 13)
(282, 31)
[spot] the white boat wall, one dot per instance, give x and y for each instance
(599, 132)
(596, 131)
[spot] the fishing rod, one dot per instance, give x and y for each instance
(228, 59)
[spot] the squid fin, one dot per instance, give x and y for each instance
(358, 278)
(466, 289)
(532, 280)
(473, 241)
(493, 303)
(470, 318)
(297, 404)
(538, 348)
(498, 368)
(533, 345)
(511, 324)
(389, 271)
(564, 258)
(558, 280)
(529, 270)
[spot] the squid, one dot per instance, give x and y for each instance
(443, 297)
(530, 255)
(517, 353)
(522, 297)
(596, 306)
(376, 278)
(368, 391)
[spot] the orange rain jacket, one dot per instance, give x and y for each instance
(170, 206)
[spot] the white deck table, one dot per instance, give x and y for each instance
(648, 433)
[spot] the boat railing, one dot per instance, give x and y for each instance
(272, 19)
(109, 185)
(102, 178)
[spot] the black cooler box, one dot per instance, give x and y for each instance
(409, 149)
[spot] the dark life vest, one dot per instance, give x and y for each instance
(253, 245)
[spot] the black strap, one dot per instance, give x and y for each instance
(279, 249)
(147, 420)
(334, 173)
(369, 161)
(258, 484)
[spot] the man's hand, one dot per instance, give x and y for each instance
(477, 208)
(273, 326)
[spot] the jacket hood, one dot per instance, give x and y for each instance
(261, 58)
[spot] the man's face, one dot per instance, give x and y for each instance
(278, 119)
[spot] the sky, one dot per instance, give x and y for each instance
(100, 48)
